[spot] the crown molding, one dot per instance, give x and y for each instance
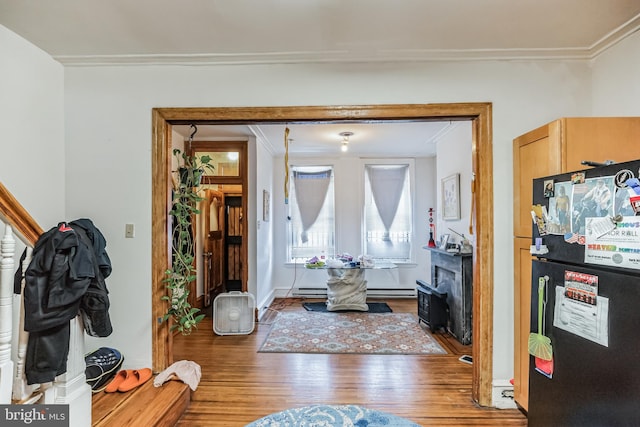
(271, 58)
(260, 136)
(615, 36)
(345, 56)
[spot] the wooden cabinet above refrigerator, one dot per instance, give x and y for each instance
(561, 146)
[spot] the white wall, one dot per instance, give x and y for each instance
(454, 157)
(426, 197)
(32, 150)
(265, 181)
(616, 80)
(32, 154)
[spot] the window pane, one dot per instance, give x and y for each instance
(395, 244)
(320, 236)
(225, 163)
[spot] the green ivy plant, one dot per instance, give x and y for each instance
(182, 272)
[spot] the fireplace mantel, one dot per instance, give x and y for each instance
(452, 273)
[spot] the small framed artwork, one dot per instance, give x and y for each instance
(444, 240)
(548, 188)
(265, 205)
(451, 197)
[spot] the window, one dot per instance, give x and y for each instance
(311, 225)
(387, 212)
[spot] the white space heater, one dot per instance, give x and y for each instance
(234, 313)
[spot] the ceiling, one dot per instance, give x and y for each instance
(415, 139)
(281, 31)
(198, 32)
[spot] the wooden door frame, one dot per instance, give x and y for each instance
(480, 115)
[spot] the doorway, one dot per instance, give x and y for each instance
(222, 257)
(480, 115)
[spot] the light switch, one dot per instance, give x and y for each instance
(129, 231)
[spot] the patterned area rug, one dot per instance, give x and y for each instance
(358, 333)
(326, 415)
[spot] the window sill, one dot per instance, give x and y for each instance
(398, 264)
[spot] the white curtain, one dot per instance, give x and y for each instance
(311, 190)
(387, 182)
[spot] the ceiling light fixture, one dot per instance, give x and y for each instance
(345, 140)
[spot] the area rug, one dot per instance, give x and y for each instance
(327, 415)
(374, 307)
(357, 333)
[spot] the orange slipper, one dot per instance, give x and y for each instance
(119, 378)
(135, 378)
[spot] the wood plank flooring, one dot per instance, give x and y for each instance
(240, 385)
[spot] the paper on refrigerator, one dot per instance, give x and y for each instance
(616, 245)
(589, 321)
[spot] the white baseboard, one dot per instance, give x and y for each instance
(309, 292)
(392, 293)
(502, 395)
(265, 303)
(371, 292)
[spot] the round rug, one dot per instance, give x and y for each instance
(332, 416)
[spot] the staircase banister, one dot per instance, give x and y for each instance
(14, 214)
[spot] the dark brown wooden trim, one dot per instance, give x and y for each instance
(160, 206)
(482, 158)
(322, 114)
(14, 214)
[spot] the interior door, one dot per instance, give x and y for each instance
(233, 243)
(213, 249)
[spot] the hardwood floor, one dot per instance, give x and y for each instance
(240, 385)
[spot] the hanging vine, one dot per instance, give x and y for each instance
(182, 272)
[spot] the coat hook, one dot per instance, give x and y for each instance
(195, 130)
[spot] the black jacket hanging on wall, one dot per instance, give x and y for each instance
(65, 277)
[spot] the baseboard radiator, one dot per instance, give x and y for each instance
(373, 292)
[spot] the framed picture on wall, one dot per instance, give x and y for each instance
(451, 197)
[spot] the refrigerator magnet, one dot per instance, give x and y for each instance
(539, 216)
(548, 188)
(577, 178)
(634, 184)
(635, 203)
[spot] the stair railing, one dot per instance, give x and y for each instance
(69, 388)
(18, 223)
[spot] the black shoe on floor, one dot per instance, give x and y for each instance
(101, 366)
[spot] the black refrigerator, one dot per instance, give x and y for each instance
(585, 346)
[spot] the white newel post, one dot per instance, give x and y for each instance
(7, 252)
(21, 391)
(71, 387)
